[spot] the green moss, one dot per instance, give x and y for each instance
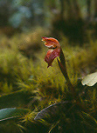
(22, 67)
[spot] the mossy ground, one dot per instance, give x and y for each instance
(26, 82)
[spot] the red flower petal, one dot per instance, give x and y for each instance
(54, 45)
(48, 55)
(51, 55)
(51, 42)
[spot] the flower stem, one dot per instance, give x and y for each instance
(63, 68)
(64, 72)
(62, 65)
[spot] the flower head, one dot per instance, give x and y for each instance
(54, 47)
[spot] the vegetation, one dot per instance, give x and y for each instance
(58, 99)
(27, 84)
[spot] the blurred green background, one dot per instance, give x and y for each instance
(72, 18)
(26, 85)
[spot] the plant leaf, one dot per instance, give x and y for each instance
(53, 111)
(90, 79)
(10, 113)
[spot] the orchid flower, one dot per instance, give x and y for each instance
(53, 52)
(54, 49)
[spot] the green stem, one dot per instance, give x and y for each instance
(62, 65)
(64, 72)
(63, 68)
